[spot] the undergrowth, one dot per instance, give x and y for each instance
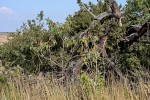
(22, 87)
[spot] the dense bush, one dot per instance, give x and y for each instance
(36, 48)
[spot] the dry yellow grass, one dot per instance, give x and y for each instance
(3, 38)
(22, 88)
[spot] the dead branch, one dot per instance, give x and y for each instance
(52, 61)
(115, 13)
(132, 29)
(104, 15)
(143, 41)
(84, 7)
(143, 30)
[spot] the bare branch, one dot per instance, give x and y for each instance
(52, 61)
(115, 13)
(143, 30)
(103, 15)
(84, 7)
(143, 41)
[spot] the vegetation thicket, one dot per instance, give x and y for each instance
(74, 50)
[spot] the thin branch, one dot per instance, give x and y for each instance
(72, 58)
(84, 7)
(49, 59)
(100, 17)
(143, 41)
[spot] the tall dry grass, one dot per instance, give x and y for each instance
(22, 87)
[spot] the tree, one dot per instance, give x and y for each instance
(91, 40)
(137, 11)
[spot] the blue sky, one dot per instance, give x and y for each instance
(14, 12)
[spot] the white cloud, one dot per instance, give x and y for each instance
(5, 10)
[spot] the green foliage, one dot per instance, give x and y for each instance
(78, 1)
(137, 11)
(133, 62)
(88, 83)
(3, 80)
(85, 81)
(19, 50)
(37, 49)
